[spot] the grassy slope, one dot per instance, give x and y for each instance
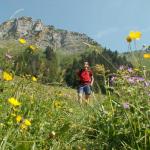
(67, 119)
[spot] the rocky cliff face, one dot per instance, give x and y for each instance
(36, 32)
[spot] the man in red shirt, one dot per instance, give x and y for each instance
(86, 81)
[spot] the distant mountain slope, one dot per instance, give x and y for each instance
(41, 35)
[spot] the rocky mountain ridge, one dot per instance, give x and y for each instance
(35, 32)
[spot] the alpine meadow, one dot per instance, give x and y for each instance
(39, 106)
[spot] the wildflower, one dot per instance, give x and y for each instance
(23, 126)
(7, 76)
(27, 122)
(32, 47)
(18, 119)
(131, 80)
(136, 69)
(22, 41)
(130, 70)
(128, 39)
(57, 104)
(132, 35)
(126, 105)
(146, 55)
(138, 35)
(14, 101)
(34, 78)
(135, 35)
(139, 78)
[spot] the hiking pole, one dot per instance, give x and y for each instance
(93, 92)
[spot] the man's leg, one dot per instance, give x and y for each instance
(80, 94)
(87, 91)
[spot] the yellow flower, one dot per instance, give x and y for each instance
(14, 101)
(18, 119)
(27, 122)
(23, 126)
(34, 78)
(22, 41)
(132, 35)
(146, 55)
(138, 35)
(135, 35)
(128, 39)
(57, 104)
(32, 47)
(136, 69)
(7, 76)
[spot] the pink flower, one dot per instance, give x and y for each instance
(126, 105)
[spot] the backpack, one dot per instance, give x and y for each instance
(80, 72)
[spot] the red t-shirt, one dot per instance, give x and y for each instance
(85, 76)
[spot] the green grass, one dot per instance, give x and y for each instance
(38, 105)
(59, 122)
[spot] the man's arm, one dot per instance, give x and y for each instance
(92, 80)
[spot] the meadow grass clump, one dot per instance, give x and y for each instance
(123, 123)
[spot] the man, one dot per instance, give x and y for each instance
(86, 81)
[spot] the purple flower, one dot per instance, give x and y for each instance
(130, 70)
(131, 80)
(126, 105)
(135, 79)
(139, 78)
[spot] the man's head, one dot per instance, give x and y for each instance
(86, 65)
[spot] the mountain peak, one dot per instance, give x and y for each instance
(37, 33)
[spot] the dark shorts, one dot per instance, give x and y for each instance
(84, 89)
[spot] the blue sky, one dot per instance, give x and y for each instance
(106, 21)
